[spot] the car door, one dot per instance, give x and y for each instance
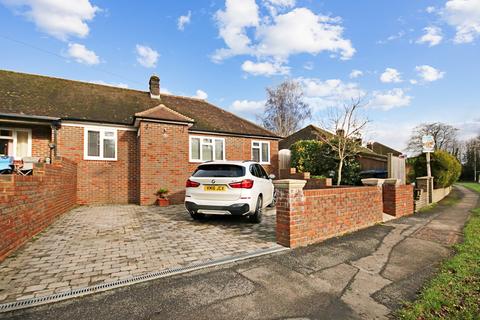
(266, 185)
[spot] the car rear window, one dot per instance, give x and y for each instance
(219, 171)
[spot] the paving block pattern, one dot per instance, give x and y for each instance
(99, 244)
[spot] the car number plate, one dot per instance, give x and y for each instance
(215, 188)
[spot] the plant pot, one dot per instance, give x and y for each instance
(162, 202)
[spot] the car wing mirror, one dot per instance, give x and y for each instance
(271, 176)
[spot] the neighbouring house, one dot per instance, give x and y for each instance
(372, 158)
(126, 143)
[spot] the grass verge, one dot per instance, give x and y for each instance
(455, 292)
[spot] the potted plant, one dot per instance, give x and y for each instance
(162, 199)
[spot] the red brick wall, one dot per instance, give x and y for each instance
(28, 204)
(41, 137)
(398, 200)
(103, 181)
(308, 216)
(163, 160)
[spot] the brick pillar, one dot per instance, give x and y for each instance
(426, 184)
(397, 198)
(290, 203)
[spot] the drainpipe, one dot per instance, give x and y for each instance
(54, 145)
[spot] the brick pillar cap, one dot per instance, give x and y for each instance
(289, 183)
(373, 182)
(392, 181)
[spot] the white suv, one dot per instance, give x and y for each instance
(231, 188)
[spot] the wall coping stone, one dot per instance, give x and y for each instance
(393, 181)
(289, 184)
(373, 181)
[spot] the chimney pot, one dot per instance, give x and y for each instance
(154, 85)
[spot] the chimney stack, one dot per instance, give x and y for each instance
(154, 85)
(340, 132)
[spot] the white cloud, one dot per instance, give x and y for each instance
(232, 23)
(429, 73)
(119, 85)
(81, 54)
(184, 20)
(249, 106)
(390, 75)
(282, 3)
(433, 36)
(309, 65)
(389, 99)
(200, 94)
(264, 68)
(355, 74)
(430, 9)
(146, 56)
(464, 15)
(302, 31)
(413, 81)
(277, 36)
(60, 19)
(329, 93)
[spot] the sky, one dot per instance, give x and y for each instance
(410, 61)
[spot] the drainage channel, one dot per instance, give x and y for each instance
(33, 302)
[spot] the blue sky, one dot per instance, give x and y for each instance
(412, 61)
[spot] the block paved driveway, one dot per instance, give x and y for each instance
(99, 244)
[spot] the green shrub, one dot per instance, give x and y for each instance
(446, 169)
(319, 159)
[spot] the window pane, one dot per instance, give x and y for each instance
(109, 148)
(195, 151)
(4, 147)
(265, 153)
(22, 144)
(94, 143)
(256, 154)
(6, 133)
(109, 134)
(207, 140)
(207, 150)
(218, 149)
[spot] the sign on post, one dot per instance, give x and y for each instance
(428, 144)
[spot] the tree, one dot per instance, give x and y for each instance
(285, 109)
(348, 126)
(445, 137)
(471, 159)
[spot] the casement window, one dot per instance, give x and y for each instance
(100, 144)
(206, 149)
(261, 151)
(16, 142)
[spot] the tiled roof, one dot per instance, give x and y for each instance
(28, 94)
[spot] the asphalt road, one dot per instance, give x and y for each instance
(363, 275)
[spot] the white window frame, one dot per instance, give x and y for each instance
(14, 138)
(260, 150)
(102, 131)
(201, 149)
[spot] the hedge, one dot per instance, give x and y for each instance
(446, 169)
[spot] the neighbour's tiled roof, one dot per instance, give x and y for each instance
(312, 132)
(380, 148)
(28, 94)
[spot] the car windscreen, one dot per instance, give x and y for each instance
(219, 171)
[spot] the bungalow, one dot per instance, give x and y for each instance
(372, 158)
(126, 143)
